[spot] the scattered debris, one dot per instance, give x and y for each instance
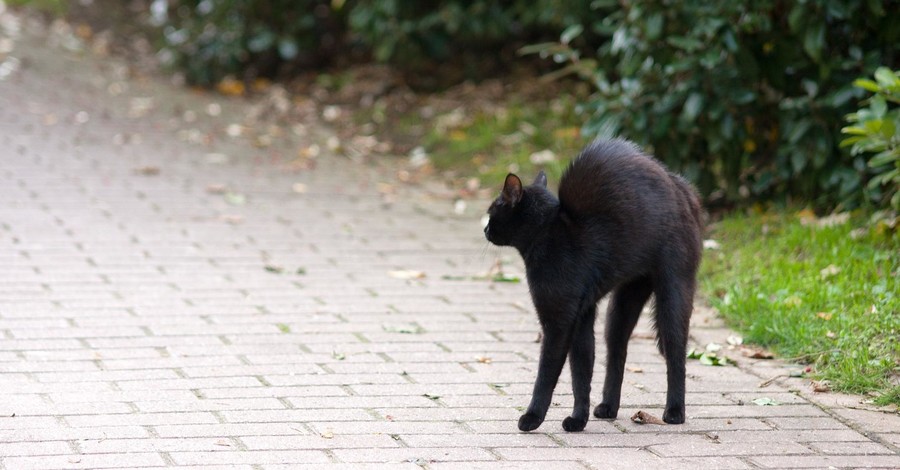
(410, 329)
(216, 189)
(636, 370)
(765, 401)
(821, 386)
(483, 359)
(406, 274)
(642, 417)
(754, 352)
(148, 170)
(711, 245)
(829, 271)
(272, 268)
(328, 434)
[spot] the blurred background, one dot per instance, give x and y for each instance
(784, 114)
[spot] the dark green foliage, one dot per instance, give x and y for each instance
(210, 39)
(745, 98)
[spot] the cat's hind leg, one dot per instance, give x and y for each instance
(581, 363)
(674, 303)
(624, 310)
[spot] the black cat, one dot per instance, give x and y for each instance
(622, 223)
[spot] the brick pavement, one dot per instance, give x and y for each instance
(139, 326)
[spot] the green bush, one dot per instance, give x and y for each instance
(744, 98)
(209, 40)
(407, 32)
(875, 129)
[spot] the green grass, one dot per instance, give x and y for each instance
(492, 143)
(826, 296)
(56, 7)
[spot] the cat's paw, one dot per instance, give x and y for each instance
(571, 424)
(604, 411)
(529, 422)
(674, 415)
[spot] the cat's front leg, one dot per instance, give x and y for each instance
(554, 346)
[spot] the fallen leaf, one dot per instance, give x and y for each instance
(338, 356)
(711, 245)
(483, 360)
(235, 199)
(216, 189)
(431, 396)
(735, 340)
(829, 271)
(756, 353)
(764, 401)
(406, 274)
(642, 417)
(636, 370)
(74, 459)
(231, 87)
(821, 386)
(328, 434)
(148, 170)
(274, 268)
(713, 347)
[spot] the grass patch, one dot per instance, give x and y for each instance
(825, 295)
(493, 142)
(56, 7)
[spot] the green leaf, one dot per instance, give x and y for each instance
(681, 42)
(854, 130)
(884, 158)
(878, 106)
(692, 106)
(654, 26)
(571, 33)
(886, 78)
(814, 41)
(866, 84)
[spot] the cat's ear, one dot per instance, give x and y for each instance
(512, 189)
(541, 179)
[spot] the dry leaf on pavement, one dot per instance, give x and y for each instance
(642, 417)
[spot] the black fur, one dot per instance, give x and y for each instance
(622, 224)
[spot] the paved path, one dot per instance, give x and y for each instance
(144, 323)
